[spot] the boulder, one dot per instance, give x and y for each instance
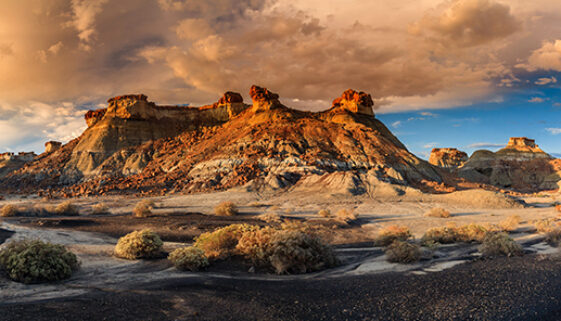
(447, 157)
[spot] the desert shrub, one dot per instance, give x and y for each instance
(143, 244)
(546, 225)
(471, 233)
(226, 209)
(100, 208)
(270, 218)
(143, 208)
(297, 252)
(222, 242)
(188, 258)
(437, 212)
(67, 208)
(553, 236)
(254, 245)
(495, 244)
(389, 234)
(442, 235)
(346, 216)
(324, 213)
(34, 261)
(510, 223)
(403, 252)
(9, 210)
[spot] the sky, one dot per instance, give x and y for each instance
(443, 73)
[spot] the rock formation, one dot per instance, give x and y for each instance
(137, 146)
(447, 157)
(10, 162)
(52, 146)
(521, 165)
(356, 102)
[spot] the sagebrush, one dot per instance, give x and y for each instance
(389, 234)
(495, 244)
(189, 258)
(143, 244)
(226, 209)
(403, 252)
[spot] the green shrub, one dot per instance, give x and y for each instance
(403, 252)
(188, 258)
(437, 212)
(143, 244)
(67, 208)
(221, 243)
(392, 233)
(495, 244)
(9, 210)
(226, 209)
(34, 261)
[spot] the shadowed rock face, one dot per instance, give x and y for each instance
(520, 165)
(447, 157)
(52, 146)
(139, 146)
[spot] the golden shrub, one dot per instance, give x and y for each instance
(495, 244)
(67, 208)
(226, 209)
(100, 208)
(442, 235)
(143, 244)
(389, 234)
(438, 212)
(324, 213)
(510, 223)
(9, 210)
(143, 208)
(188, 258)
(403, 252)
(270, 218)
(346, 216)
(221, 243)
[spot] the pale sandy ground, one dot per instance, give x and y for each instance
(101, 270)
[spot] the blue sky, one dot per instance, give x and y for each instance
(486, 125)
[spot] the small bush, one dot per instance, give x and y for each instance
(100, 209)
(9, 210)
(35, 261)
(403, 252)
(254, 245)
(510, 223)
(546, 225)
(143, 208)
(442, 235)
(270, 218)
(392, 233)
(222, 242)
(297, 252)
(495, 244)
(471, 233)
(324, 213)
(437, 212)
(553, 236)
(143, 244)
(188, 258)
(226, 209)
(67, 208)
(346, 216)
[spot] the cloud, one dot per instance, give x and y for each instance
(428, 114)
(554, 131)
(485, 145)
(536, 100)
(396, 124)
(548, 57)
(430, 145)
(83, 19)
(467, 23)
(545, 81)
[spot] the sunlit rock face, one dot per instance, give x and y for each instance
(520, 165)
(447, 157)
(138, 146)
(52, 146)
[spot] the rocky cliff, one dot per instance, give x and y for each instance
(137, 146)
(447, 157)
(520, 165)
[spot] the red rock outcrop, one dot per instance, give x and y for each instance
(93, 116)
(447, 157)
(140, 97)
(355, 102)
(52, 146)
(263, 99)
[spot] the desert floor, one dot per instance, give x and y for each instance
(451, 282)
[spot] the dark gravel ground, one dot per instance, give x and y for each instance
(526, 288)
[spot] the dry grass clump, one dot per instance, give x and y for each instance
(226, 209)
(34, 261)
(100, 208)
(510, 223)
(221, 243)
(389, 234)
(143, 208)
(270, 218)
(553, 236)
(143, 244)
(546, 225)
(324, 213)
(346, 216)
(403, 252)
(495, 244)
(438, 212)
(189, 258)
(9, 210)
(67, 208)
(472, 233)
(442, 235)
